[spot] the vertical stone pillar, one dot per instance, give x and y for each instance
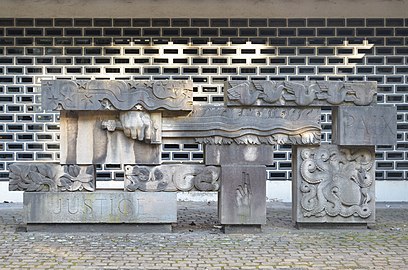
(242, 196)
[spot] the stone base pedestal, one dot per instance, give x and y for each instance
(100, 228)
(242, 196)
(101, 208)
(242, 229)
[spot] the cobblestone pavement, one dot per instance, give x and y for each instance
(197, 243)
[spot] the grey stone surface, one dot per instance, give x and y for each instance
(85, 141)
(305, 93)
(100, 207)
(42, 177)
(221, 125)
(372, 125)
(117, 95)
(238, 154)
(242, 196)
(333, 184)
(172, 177)
(100, 228)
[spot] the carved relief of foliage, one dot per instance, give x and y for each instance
(74, 179)
(32, 177)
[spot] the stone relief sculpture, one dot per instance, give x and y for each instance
(175, 177)
(307, 93)
(246, 126)
(51, 177)
(244, 196)
(117, 95)
(337, 181)
(331, 183)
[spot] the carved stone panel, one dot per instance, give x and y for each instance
(333, 184)
(221, 125)
(117, 95)
(87, 139)
(306, 93)
(242, 197)
(172, 177)
(40, 177)
(373, 125)
(100, 207)
(246, 154)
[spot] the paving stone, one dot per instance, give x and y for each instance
(201, 246)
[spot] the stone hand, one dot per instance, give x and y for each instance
(136, 124)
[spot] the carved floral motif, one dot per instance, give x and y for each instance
(308, 93)
(172, 178)
(337, 181)
(51, 177)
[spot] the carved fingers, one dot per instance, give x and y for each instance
(136, 124)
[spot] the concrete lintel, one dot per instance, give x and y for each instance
(209, 8)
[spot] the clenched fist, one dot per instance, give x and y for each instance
(136, 124)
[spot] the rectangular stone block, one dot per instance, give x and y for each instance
(373, 125)
(333, 184)
(101, 95)
(100, 207)
(51, 177)
(243, 154)
(299, 93)
(172, 177)
(223, 125)
(84, 140)
(242, 196)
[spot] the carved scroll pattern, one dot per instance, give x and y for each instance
(117, 95)
(51, 177)
(172, 178)
(308, 93)
(337, 182)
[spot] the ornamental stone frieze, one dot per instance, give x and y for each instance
(95, 95)
(296, 93)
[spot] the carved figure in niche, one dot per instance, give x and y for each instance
(244, 196)
(336, 182)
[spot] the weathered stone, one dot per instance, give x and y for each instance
(238, 154)
(221, 125)
(242, 197)
(85, 141)
(306, 93)
(172, 177)
(100, 207)
(373, 125)
(333, 184)
(117, 95)
(35, 177)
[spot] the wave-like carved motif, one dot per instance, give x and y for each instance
(117, 95)
(223, 125)
(172, 178)
(337, 181)
(306, 93)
